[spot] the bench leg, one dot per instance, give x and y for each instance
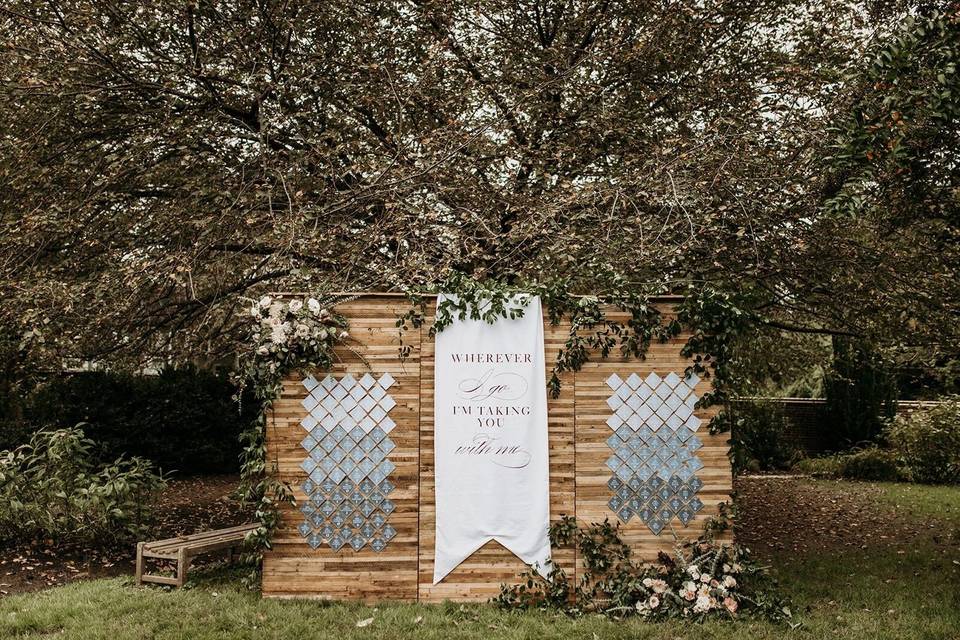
(183, 565)
(139, 563)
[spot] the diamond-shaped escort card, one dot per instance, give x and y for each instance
(654, 448)
(347, 447)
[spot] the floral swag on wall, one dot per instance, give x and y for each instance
(286, 335)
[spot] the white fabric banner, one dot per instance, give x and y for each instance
(490, 449)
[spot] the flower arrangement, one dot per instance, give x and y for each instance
(286, 335)
(703, 579)
(289, 332)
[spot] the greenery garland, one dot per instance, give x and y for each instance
(590, 328)
(286, 336)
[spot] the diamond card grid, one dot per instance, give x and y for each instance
(346, 465)
(654, 446)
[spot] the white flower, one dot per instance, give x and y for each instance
(729, 582)
(705, 578)
(344, 335)
(313, 305)
(265, 302)
(295, 305)
(255, 311)
(654, 602)
(702, 604)
(278, 333)
(736, 568)
(647, 582)
(302, 331)
(263, 350)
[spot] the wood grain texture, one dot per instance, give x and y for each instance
(578, 473)
(292, 568)
(591, 393)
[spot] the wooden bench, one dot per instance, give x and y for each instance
(184, 548)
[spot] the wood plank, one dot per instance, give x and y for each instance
(292, 567)
(578, 472)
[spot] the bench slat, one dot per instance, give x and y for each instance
(159, 579)
(200, 538)
(183, 548)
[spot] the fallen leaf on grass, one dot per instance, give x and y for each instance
(365, 622)
(418, 620)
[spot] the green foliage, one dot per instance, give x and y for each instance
(590, 328)
(284, 336)
(757, 441)
(860, 392)
(702, 579)
(819, 467)
(870, 464)
(184, 420)
(928, 442)
(53, 487)
(905, 118)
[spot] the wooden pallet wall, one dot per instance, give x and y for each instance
(404, 569)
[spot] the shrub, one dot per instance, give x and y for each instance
(703, 579)
(183, 419)
(823, 467)
(928, 442)
(54, 487)
(871, 464)
(758, 438)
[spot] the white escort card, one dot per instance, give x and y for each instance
(490, 448)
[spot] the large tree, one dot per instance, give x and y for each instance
(163, 159)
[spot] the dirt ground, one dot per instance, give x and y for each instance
(795, 514)
(186, 506)
(775, 514)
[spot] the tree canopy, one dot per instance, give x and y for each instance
(162, 160)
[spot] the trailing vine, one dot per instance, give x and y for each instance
(716, 320)
(285, 336)
(591, 330)
(703, 579)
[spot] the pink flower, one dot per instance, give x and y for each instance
(730, 604)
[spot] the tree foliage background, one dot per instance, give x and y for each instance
(160, 160)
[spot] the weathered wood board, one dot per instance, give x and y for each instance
(403, 570)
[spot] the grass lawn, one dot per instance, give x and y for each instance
(874, 591)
